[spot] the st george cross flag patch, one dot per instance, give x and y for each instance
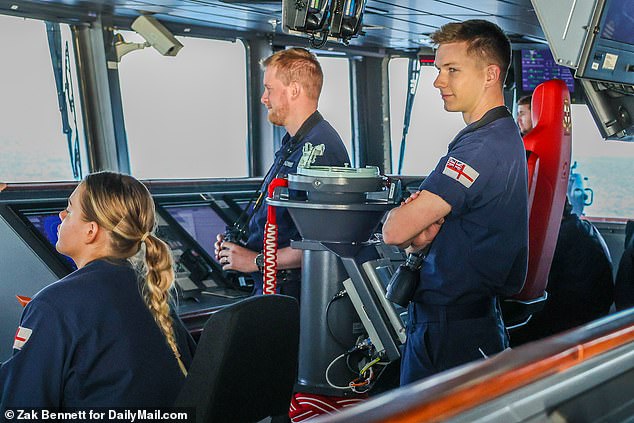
(460, 171)
(22, 335)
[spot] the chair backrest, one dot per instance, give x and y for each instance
(548, 147)
(624, 281)
(245, 364)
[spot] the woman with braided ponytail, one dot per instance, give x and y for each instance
(103, 336)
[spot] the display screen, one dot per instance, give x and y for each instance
(45, 224)
(201, 222)
(539, 66)
(619, 21)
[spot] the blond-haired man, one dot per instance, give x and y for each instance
(292, 84)
(474, 208)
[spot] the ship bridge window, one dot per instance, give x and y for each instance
(431, 127)
(186, 116)
(607, 165)
(332, 101)
(34, 148)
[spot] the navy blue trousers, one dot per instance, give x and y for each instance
(439, 338)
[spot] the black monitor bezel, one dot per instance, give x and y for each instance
(576, 97)
(604, 16)
(226, 287)
(162, 209)
(595, 41)
(38, 241)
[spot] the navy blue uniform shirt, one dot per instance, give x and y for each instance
(89, 340)
(335, 154)
(482, 248)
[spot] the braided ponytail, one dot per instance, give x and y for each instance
(158, 281)
(123, 205)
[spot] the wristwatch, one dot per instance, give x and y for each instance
(259, 261)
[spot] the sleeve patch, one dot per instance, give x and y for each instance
(22, 335)
(460, 171)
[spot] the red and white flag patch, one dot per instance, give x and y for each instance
(22, 335)
(460, 171)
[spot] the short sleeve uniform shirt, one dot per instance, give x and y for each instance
(482, 249)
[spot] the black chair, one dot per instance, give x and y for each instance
(245, 364)
(624, 283)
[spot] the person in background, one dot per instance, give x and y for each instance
(292, 84)
(580, 283)
(473, 206)
(524, 118)
(624, 282)
(103, 336)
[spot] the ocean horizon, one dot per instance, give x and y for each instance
(612, 181)
(610, 178)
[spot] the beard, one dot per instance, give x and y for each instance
(277, 116)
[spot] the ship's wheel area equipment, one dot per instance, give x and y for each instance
(349, 332)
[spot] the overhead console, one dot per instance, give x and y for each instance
(323, 19)
(607, 69)
(596, 39)
(608, 53)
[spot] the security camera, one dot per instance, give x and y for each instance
(157, 35)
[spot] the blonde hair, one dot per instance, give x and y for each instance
(123, 205)
(297, 65)
(486, 41)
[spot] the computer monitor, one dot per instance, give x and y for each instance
(200, 221)
(45, 225)
(618, 22)
(539, 66)
(608, 54)
(536, 66)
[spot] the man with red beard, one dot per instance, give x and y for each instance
(292, 83)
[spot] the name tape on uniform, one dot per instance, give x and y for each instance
(460, 171)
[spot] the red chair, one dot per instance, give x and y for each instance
(548, 148)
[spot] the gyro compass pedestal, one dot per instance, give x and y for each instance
(336, 210)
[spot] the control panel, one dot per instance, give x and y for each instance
(197, 273)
